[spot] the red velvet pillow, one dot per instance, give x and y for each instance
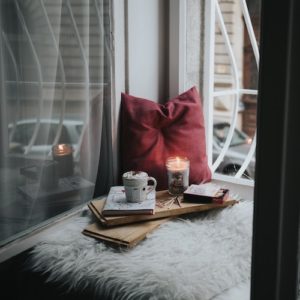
(151, 132)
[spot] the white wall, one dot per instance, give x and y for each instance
(194, 37)
(147, 49)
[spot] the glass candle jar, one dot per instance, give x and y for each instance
(63, 155)
(178, 169)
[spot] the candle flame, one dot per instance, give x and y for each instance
(62, 149)
(177, 163)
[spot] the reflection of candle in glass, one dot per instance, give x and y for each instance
(178, 169)
(63, 154)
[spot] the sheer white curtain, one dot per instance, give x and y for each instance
(55, 108)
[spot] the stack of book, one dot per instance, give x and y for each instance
(124, 223)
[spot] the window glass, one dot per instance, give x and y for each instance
(222, 43)
(55, 62)
(235, 86)
(221, 132)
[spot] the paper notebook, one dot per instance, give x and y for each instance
(117, 205)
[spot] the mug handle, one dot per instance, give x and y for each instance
(152, 187)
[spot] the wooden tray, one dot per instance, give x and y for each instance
(160, 212)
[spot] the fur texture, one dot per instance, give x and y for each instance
(195, 257)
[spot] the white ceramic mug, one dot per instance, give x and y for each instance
(136, 185)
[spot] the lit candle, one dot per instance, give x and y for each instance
(178, 169)
(63, 154)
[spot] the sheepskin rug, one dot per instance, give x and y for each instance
(195, 257)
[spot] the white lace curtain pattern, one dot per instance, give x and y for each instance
(55, 83)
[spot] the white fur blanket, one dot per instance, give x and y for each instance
(196, 257)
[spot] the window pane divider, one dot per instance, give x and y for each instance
(234, 92)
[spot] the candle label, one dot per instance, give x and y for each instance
(178, 174)
(178, 181)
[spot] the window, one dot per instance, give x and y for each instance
(55, 79)
(221, 59)
(230, 84)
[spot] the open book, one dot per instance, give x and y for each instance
(117, 205)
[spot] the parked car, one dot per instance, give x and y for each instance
(236, 153)
(20, 136)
